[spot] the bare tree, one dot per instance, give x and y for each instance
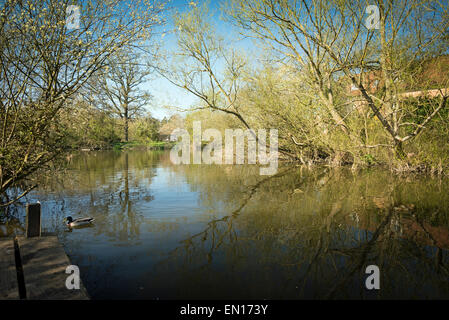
(118, 88)
(204, 64)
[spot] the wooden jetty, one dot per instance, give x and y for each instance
(8, 275)
(34, 266)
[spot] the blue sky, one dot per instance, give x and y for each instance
(164, 93)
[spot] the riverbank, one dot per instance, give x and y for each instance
(405, 166)
(135, 145)
(131, 145)
(395, 167)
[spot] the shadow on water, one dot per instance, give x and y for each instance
(199, 231)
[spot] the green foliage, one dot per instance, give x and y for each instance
(87, 127)
(44, 65)
(145, 130)
(369, 159)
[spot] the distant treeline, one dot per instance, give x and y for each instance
(88, 127)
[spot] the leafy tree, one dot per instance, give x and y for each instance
(331, 42)
(145, 129)
(43, 64)
(118, 88)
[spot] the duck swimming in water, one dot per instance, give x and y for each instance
(78, 222)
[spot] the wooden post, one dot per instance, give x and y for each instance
(33, 220)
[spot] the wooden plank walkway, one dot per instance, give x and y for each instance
(44, 262)
(8, 275)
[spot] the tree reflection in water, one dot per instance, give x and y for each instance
(318, 243)
(204, 231)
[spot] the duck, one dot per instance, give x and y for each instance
(78, 222)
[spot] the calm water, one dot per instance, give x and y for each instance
(199, 231)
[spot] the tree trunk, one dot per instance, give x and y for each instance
(126, 123)
(126, 129)
(399, 150)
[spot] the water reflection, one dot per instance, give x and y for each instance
(317, 243)
(198, 231)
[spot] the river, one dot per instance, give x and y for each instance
(165, 231)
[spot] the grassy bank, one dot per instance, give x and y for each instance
(154, 145)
